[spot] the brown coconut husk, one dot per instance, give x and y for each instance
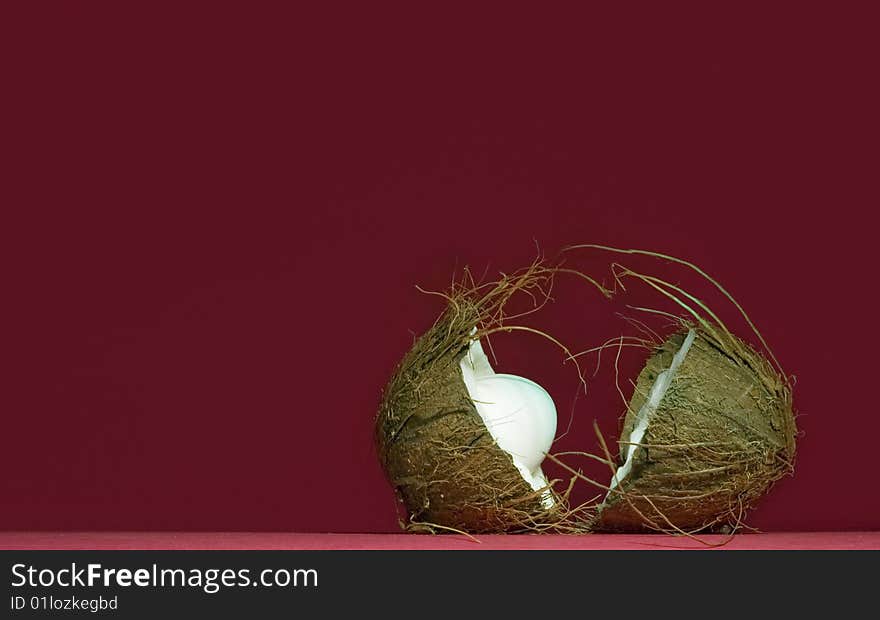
(722, 435)
(436, 451)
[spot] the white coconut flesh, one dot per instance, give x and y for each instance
(518, 413)
(646, 411)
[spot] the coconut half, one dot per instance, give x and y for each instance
(708, 430)
(461, 444)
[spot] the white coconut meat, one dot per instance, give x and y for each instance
(519, 414)
(646, 411)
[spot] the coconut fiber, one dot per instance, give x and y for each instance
(722, 434)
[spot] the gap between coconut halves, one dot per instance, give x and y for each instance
(709, 427)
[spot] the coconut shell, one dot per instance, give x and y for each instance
(722, 434)
(437, 452)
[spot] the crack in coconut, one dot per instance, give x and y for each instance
(643, 417)
(518, 413)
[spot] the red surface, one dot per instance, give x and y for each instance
(214, 221)
(262, 541)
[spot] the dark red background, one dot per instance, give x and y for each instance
(214, 221)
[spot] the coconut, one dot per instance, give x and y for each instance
(708, 430)
(462, 445)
